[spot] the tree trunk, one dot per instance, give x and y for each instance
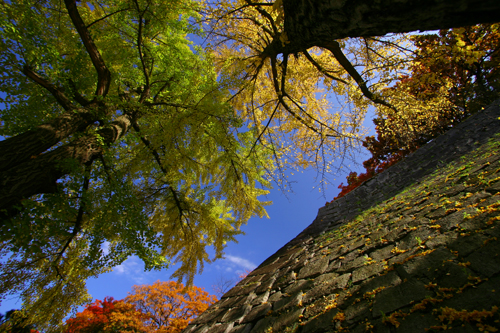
(315, 22)
(40, 174)
(23, 147)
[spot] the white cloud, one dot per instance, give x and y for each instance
(132, 268)
(241, 262)
(105, 248)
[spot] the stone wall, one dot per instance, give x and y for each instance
(414, 249)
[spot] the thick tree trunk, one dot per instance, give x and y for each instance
(40, 174)
(23, 147)
(315, 22)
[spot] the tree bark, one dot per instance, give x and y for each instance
(25, 146)
(40, 174)
(311, 23)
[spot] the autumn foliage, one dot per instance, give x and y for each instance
(163, 307)
(108, 315)
(453, 74)
(168, 307)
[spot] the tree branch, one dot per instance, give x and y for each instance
(55, 91)
(28, 145)
(81, 210)
(44, 170)
(265, 129)
(77, 96)
(156, 156)
(281, 94)
(141, 55)
(267, 16)
(321, 69)
(106, 16)
(103, 73)
(334, 47)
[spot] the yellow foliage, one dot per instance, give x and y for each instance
(168, 307)
(290, 98)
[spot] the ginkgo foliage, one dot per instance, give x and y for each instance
(14, 321)
(168, 306)
(308, 104)
(116, 131)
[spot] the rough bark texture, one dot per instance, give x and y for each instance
(313, 22)
(40, 174)
(22, 147)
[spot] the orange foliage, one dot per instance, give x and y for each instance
(169, 306)
(106, 316)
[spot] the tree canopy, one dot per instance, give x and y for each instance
(453, 74)
(168, 306)
(108, 315)
(291, 95)
(118, 142)
(163, 307)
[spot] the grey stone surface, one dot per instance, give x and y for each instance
(263, 325)
(257, 312)
(246, 328)
(365, 272)
(487, 259)
(313, 269)
(432, 242)
(288, 319)
(235, 315)
(394, 298)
